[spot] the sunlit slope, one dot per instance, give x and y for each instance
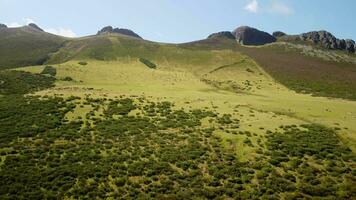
(302, 68)
(214, 73)
(225, 81)
(25, 46)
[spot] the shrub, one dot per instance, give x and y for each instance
(82, 63)
(148, 63)
(49, 70)
(67, 78)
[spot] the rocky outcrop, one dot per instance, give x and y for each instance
(278, 34)
(32, 25)
(110, 29)
(223, 34)
(3, 26)
(328, 40)
(250, 36)
(350, 46)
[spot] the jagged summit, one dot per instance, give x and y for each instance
(32, 25)
(278, 34)
(222, 34)
(321, 38)
(110, 29)
(250, 36)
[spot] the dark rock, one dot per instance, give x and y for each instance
(328, 40)
(35, 26)
(223, 34)
(110, 29)
(323, 38)
(251, 36)
(106, 29)
(278, 34)
(341, 44)
(3, 26)
(350, 46)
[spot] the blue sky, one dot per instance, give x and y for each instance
(182, 20)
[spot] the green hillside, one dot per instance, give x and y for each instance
(26, 46)
(305, 69)
(114, 117)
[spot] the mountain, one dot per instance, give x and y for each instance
(110, 29)
(28, 45)
(297, 65)
(322, 39)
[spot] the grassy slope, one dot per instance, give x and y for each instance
(233, 79)
(322, 73)
(267, 105)
(26, 46)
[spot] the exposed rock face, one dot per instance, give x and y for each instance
(350, 46)
(35, 26)
(328, 40)
(278, 34)
(223, 34)
(3, 26)
(251, 36)
(110, 29)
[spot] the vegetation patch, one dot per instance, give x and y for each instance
(18, 82)
(49, 70)
(148, 63)
(82, 63)
(312, 162)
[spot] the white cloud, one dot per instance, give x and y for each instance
(28, 20)
(13, 24)
(280, 8)
(252, 6)
(23, 22)
(57, 31)
(61, 31)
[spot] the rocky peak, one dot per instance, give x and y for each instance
(3, 26)
(328, 40)
(278, 34)
(32, 25)
(350, 46)
(110, 29)
(222, 34)
(250, 36)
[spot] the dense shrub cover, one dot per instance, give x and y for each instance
(133, 148)
(49, 70)
(18, 82)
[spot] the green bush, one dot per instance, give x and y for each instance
(49, 70)
(18, 82)
(148, 63)
(82, 63)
